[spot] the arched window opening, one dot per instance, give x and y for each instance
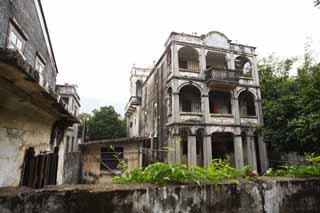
(190, 99)
(243, 64)
(138, 89)
(247, 104)
(188, 59)
(223, 147)
(220, 102)
(216, 60)
(199, 146)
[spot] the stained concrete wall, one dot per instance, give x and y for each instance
(270, 196)
(91, 158)
(19, 130)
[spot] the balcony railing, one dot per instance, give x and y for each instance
(228, 76)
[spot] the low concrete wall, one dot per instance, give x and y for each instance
(264, 195)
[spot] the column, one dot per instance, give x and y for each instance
(238, 152)
(176, 107)
(175, 61)
(205, 108)
(235, 109)
(203, 62)
(192, 150)
(171, 148)
(251, 150)
(263, 155)
(207, 150)
(177, 144)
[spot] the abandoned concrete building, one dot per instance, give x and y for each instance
(33, 121)
(200, 101)
(69, 155)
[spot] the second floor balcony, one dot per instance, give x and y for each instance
(222, 77)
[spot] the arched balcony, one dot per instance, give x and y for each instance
(188, 59)
(243, 64)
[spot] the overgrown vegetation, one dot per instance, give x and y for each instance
(291, 104)
(299, 171)
(174, 173)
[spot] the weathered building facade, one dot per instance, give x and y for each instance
(32, 120)
(69, 155)
(200, 101)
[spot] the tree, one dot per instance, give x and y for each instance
(105, 123)
(291, 104)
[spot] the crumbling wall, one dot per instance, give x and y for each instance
(71, 168)
(270, 196)
(19, 130)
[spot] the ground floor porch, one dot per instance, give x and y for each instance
(199, 145)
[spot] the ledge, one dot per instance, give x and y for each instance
(20, 79)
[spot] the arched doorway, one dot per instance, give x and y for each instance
(223, 146)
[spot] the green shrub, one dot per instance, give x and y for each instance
(299, 171)
(174, 173)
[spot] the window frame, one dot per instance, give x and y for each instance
(12, 29)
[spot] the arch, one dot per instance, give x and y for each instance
(138, 88)
(188, 58)
(216, 60)
(247, 105)
(220, 102)
(243, 64)
(192, 84)
(247, 89)
(190, 99)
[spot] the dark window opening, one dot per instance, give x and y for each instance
(247, 104)
(220, 102)
(183, 64)
(110, 157)
(190, 99)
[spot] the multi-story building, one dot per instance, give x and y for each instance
(33, 121)
(69, 158)
(200, 101)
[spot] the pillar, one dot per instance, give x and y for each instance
(235, 110)
(207, 151)
(238, 151)
(192, 150)
(175, 61)
(251, 152)
(175, 107)
(205, 107)
(264, 162)
(172, 148)
(177, 144)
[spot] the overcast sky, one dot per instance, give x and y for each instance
(96, 42)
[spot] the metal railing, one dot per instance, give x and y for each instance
(223, 75)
